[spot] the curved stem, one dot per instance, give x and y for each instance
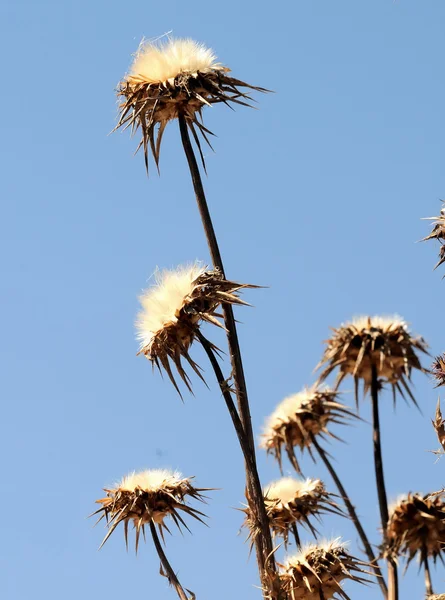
(352, 513)
(171, 575)
(393, 586)
(263, 542)
(428, 584)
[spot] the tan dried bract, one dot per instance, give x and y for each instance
(417, 526)
(299, 417)
(317, 572)
(439, 426)
(143, 503)
(380, 342)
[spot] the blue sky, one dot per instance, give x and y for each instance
(317, 195)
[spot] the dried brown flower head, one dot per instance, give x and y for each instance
(149, 497)
(172, 311)
(179, 76)
(300, 416)
(438, 370)
(317, 571)
(416, 525)
(289, 502)
(438, 233)
(382, 342)
(436, 597)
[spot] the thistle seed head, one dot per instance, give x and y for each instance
(149, 497)
(317, 570)
(438, 369)
(291, 501)
(416, 526)
(172, 311)
(180, 76)
(383, 342)
(300, 416)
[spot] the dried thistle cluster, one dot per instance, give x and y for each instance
(299, 417)
(316, 571)
(438, 233)
(149, 497)
(174, 308)
(175, 78)
(438, 370)
(417, 526)
(382, 343)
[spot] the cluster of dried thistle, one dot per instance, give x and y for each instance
(173, 81)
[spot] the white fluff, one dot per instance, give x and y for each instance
(157, 63)
(162, 302)
(301, 557)
(386, 323)
(287, 489)
(149, 480)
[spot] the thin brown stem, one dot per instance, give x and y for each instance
(263, 542)
(353, 514)
(428, 584)
(171, 575)
(393, 584)
(296, 535)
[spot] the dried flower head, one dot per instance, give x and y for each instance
(438, 233)
(290, 502)
(436, 597)
(316, 571)
(384, 343)
(300, 416)
(172, 311)
(438, 370)
(416, 525)
(149, 497)
(180, 76)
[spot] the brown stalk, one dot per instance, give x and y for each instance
(166, 566)
(428, 584)
(263, 541)
(352, 513)
(393, 585)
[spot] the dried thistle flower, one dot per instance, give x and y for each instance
(436, 597)
(317, 570)
(173, 309)
(416, 525)
(300, 416)
(438, 370)
(149, 497)
(438, 233)
(180, 76)
(382, 342)
(289, 502)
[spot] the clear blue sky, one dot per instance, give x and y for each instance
(318, 195)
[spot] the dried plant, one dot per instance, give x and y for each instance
(383, 342)
(291, 502)
(416, 526)
(438, 233)
(147, 498)
(173, 310)
(316, 572)
(178, 77)
(439, 427)
(299, 417)
(438, 370)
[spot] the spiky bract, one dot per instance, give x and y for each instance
(383, 342)
(317, 571)
(438, 370)
(291, 501)
(438, 233)
(179, 76)
(172, 311)
(300, 416)
(416, 526)
(149, 496)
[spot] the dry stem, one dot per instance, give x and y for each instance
(171, 575)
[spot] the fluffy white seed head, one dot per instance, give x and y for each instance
(159, 62)
(162, 302)
(301, 557)
(386, 323)
(287, 489)
(150, 480)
